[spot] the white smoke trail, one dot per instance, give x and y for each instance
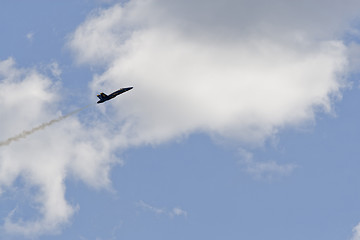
(25, 133)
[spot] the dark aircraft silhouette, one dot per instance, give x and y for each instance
(103, 97)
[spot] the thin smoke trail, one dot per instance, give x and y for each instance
(25, 133)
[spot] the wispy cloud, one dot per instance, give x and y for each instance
(176, 211)
(269, 170)
(30, 36)
(150, 208)
(55, 69)
(264, 170)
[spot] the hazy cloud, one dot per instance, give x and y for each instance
(264, 170)
(269, 169)
(55, 69)
(30, 36)
(176, 211)
(153, 209)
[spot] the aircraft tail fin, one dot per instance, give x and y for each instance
(102, 96)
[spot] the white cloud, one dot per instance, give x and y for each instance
(30, 36)
(356, 232)
(238, 70)
(148, 207)
(175, 212)
(269, 169)
(233, 69)
(178, 212)
(46, 158)
(55, 69)
(264, 170)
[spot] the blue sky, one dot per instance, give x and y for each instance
(242, 124)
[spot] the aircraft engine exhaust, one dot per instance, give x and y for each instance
(26, 133)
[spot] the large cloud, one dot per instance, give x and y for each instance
(233, 69)
(44, 160)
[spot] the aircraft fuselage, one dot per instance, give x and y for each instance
(103, 97)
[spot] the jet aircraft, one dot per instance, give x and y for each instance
(103, 97)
